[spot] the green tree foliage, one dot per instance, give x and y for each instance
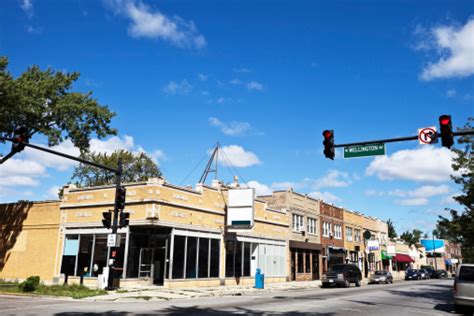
(42, 101)
(459, 228)
(413, 237)
(392, 233)
(136, 167)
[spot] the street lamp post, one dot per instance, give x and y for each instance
(434, 253)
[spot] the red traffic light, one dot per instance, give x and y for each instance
(327, 134)
(445, 119)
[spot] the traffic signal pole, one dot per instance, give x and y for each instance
(113, 249)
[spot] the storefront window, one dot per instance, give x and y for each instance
(191, 253)
(300, 262)
(247, 259)
(215, 255)
(85, 255)
(203, 260)
(229, 258)
(308, 263)
(238, 259)
(178, 257)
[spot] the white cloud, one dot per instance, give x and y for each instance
(448, 199)
(235, 82)
(27, 7)
(242, 70)
(253, 85)
(202, 77)
(333, 179)
(236, 156)
(450, 93)
(422, 192)
(413, 202)
(325, 196)
(151, 23)
(260, 188)
(231, 128)
(53, 192)
(372, 192)
(455, 47)
(427, 163)
(182, 88)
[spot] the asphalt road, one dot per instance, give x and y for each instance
(431, 297)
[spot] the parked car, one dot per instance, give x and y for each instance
(431, 272)
(441, 274)
(425, 275)
(464, 288)
(413, 274)
(381, 276)
(343, 275)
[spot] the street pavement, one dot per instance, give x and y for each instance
(429, 297)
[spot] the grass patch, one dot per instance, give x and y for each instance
(122, 291)
(74, 291)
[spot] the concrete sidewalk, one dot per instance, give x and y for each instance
(156, 293)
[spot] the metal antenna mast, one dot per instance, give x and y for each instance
(209, 169)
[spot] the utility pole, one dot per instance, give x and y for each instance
(434, 253)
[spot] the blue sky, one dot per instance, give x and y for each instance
(264, 78)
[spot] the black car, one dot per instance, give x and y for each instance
(413, 274)
(342, 274)
(432, 273)
(441, 274)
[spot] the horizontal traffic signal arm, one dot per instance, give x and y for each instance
(400, 139)
(84, 161)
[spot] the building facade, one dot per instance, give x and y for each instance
(303, 234)
(353, 241)
(332, 235)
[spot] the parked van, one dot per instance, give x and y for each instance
(464, 288)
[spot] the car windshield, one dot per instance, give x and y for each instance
(466, 274)
(380, 273)
(412, 271)
(337, 269)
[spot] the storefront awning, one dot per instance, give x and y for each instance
(403, 258)
(305, 245)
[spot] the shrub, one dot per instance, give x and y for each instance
(30, 284)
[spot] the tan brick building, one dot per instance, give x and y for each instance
(354, 240)
(177, 237)
(303, 234)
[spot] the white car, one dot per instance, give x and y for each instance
(464, 288)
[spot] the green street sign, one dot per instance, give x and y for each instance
(364, 150)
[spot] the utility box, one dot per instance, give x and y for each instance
(259, 279)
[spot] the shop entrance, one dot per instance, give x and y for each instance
(149, 254)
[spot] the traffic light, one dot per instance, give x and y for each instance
(446, 129)
(20, 135)
(124, 219)
(328, 144)
(120, 198)
(107, 219)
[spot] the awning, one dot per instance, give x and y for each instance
(305, 245)
(403, 258)
(385, 256)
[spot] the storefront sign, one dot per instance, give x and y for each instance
(436, 245)
(240, 208)
(373, 245)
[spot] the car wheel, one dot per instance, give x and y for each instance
(346, 283)
(419, 278)
(324, 285)
(459, 309)
(357, 283)
(387, 282)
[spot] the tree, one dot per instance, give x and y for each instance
(136, 167)
(42, 101)
(413, 237)
(392, 233)
(459, 228)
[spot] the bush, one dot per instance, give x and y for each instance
(30, 284)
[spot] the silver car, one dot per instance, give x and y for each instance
(381, 277)
(464, 288)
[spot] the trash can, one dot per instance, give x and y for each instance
(259, 279)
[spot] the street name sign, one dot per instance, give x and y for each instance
(364, 150)
(427, 135)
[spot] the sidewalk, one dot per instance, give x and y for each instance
(157, 293)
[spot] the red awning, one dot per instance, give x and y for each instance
(400, 257)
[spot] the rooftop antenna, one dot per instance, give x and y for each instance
(209, 168)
